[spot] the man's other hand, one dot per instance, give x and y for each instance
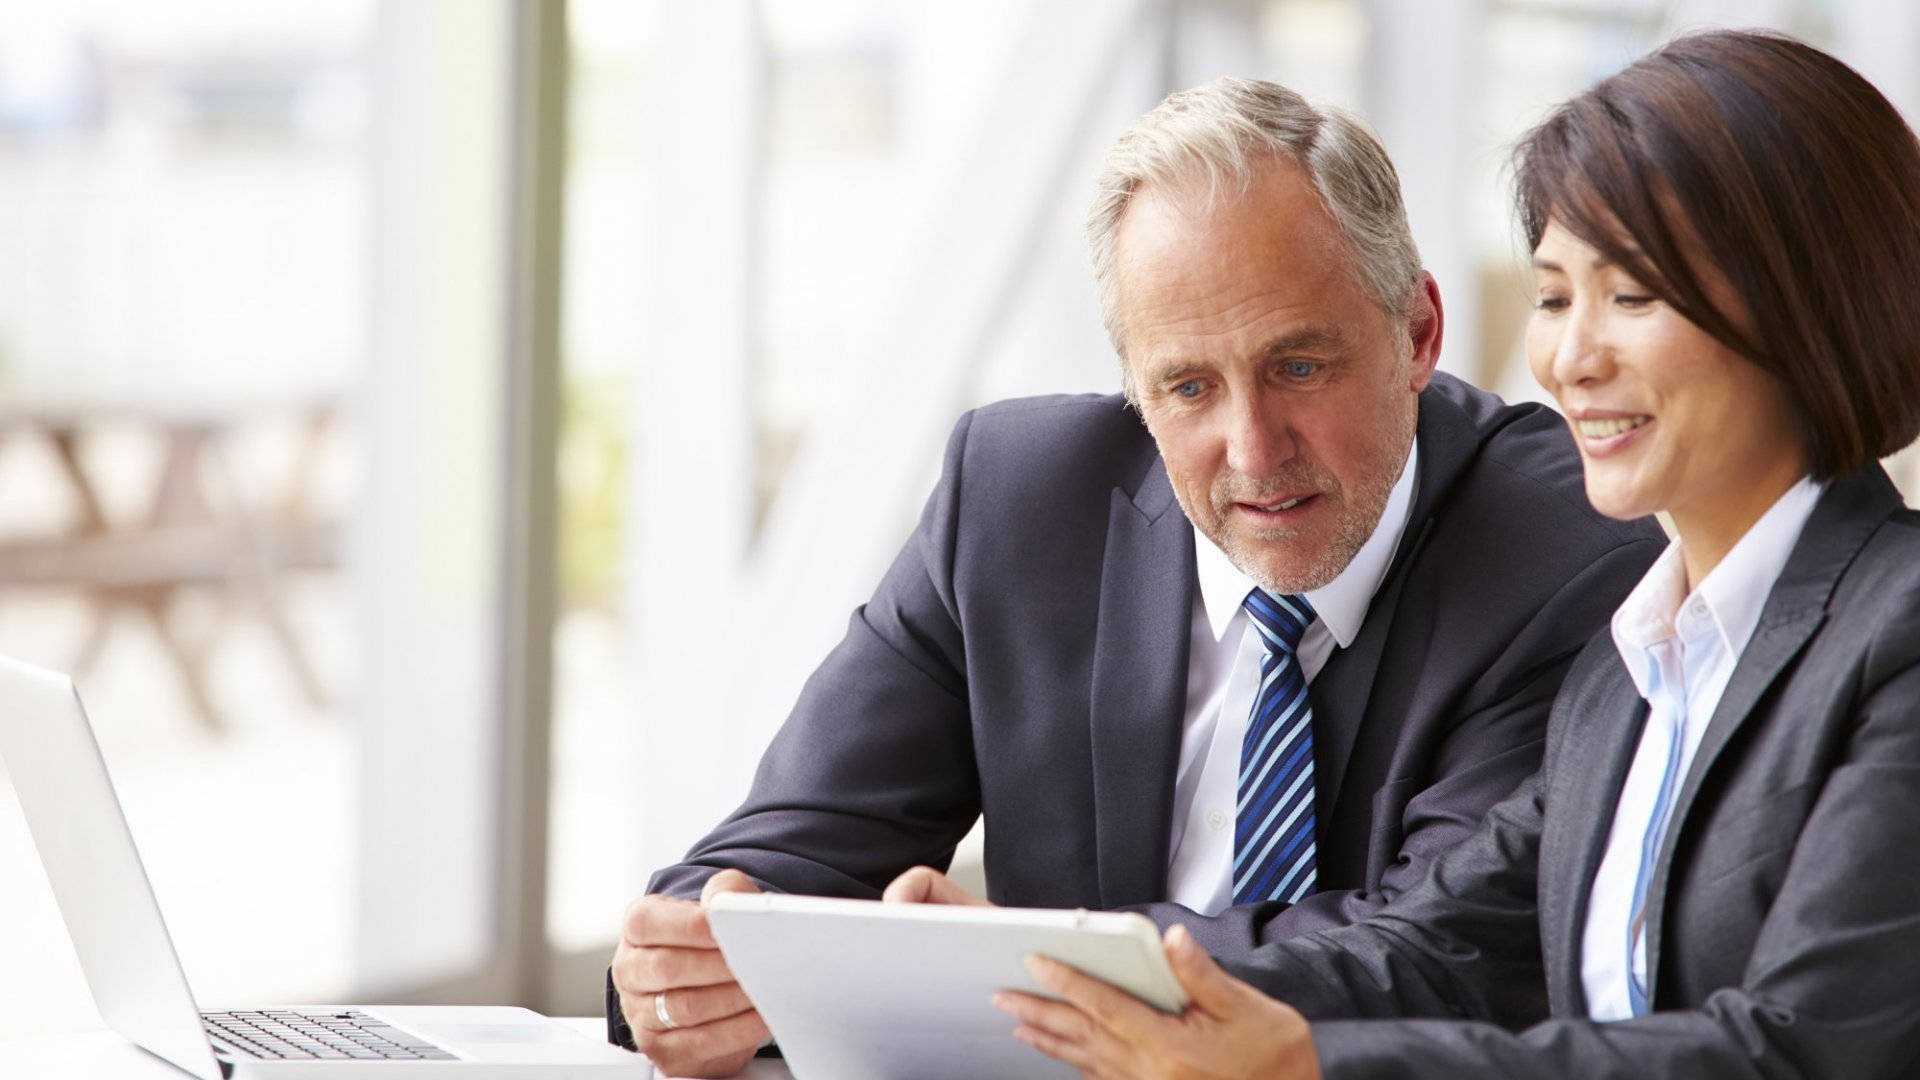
(687, 1013)
(925, 885)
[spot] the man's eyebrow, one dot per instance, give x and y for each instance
(1173, 369)
(1307, 339)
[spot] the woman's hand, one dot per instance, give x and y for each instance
(1229, 1029)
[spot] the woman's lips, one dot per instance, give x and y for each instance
(1603, 435)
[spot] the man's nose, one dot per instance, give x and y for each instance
(1259, 442)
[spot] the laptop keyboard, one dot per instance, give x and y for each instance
(339, 1034)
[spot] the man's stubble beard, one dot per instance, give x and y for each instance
(1358, 516)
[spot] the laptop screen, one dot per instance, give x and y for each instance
(102, 889)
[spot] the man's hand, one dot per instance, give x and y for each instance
(925, 885)
(1228, 1030)
(688, 1014)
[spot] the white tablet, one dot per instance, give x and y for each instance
(860, 990)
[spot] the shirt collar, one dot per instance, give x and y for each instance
(1728, 601)
(1341, 603)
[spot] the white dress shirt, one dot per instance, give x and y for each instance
(1223, 672)
(1680, 649)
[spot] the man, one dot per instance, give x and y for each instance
(1258, 724)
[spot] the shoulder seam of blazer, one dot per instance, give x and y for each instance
(1624, 532)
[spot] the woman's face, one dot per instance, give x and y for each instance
(1665, 416)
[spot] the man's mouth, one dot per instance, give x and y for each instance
(1282, 506)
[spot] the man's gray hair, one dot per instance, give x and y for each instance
(1222, 133)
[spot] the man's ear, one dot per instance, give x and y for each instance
(1426, 323)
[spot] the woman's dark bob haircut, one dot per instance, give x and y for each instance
(1771, 196)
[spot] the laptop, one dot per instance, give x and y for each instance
(137, 982)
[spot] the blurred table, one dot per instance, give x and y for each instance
(198, 528)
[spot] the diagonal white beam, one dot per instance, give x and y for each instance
(689, 504)
(852, 493)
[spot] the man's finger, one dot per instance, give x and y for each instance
(925, 885)
(662, 920)
(699, 1051)
(644, 971)
(692, 1006)
(727, 881)
(912, 887)
(916, 886)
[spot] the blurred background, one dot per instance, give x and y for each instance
(398, 397)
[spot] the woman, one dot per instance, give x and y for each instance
(1711, 876)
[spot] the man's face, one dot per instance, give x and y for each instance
(1283, 397)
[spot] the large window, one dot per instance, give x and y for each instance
(249, 435)
(182, 329)
(400, 398)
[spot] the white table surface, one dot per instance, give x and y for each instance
(104, 1055)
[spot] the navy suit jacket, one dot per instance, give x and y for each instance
(1784, 910)
(1025, 658)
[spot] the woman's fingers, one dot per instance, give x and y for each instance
(1206, 984)
(1107, 1005)
(1078, 1055)
(1062, 1031)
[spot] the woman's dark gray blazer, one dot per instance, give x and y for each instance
(1784, 914)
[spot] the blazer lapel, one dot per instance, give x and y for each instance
(1606, 720)
(1847, 514)
(1139, 687)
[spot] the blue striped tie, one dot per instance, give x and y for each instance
(1273, 846)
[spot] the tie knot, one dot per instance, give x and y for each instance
(1281, 619)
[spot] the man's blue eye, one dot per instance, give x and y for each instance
(1301, 369)
(1188, 389)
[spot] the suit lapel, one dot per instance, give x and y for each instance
(1344, 687)
(1140, 658)
(1139, 687)
(1848, 513)
(1342, 692)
